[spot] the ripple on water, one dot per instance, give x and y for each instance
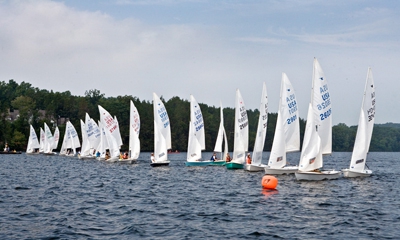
(52, 197)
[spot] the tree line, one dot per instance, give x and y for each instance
(29, 101)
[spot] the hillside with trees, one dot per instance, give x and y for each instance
(37, 106)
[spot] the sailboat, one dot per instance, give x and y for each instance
(134, 129)
(287, 131)
(162, 133)
(33, 142)
(364, 132)
(93, 133)
(48, 141)
(56, 138)
(318, 133)
(85, 152)
(112, 134)
(70, 141)
(221, 138)
(241, 139)
(256, 164)
(103, 144)
(42, 140)
(196, 140)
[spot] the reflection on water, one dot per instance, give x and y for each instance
(63, 197)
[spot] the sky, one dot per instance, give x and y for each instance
(207, 48)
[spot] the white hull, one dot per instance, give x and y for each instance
(161, 163)
(281, 171)
(85, 157)
(32, 153)
(254, 168)
(128, 161)
(112, 160)
(318, 176)
(349, 173)
(49, 153)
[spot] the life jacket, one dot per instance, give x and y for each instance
(248, 160)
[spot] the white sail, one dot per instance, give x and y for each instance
(194, 146)
(196, 117)
(321, 103)
(33, 142)
(287, 130)
(56, 138)
(318, 132)
(365, 126)
(48, 139)
(196, 141)
(71, 139)
(92, 131)
(110, 125)
(117, 133)
(85, 149)
(103, 145)
(162, 130)
(112, 132)
(221, 137)
(42, 140)
(311, 155)
(261, 128)
(241, 139)
(66, 139)
(134, 129)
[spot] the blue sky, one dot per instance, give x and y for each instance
(206, 48)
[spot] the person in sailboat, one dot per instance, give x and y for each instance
(214, 157)
(228, 158)
(125, 156)
(98, 154)
(6, 148)
(248, 159)
(152, 157)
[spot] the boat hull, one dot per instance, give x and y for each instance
(10, 152)
(318, 176)
(281, 171)
(86, 157)
(32, 153)
(198, 164)
(127, 161)
(233, 165)
(254, 168)
(217, 163)
(112, 160)
(350, 174)
(159, 164)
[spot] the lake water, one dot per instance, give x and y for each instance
(51, 197)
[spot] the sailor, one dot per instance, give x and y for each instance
(248, 159)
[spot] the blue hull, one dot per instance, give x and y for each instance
(198, 164)
(233, 165)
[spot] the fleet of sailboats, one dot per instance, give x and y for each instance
(103, 139)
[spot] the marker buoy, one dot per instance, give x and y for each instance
(269, 182)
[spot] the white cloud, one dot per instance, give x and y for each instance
(54, 46)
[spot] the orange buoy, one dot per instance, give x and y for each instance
(269, 182)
